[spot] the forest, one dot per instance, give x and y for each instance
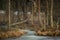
(41, 16)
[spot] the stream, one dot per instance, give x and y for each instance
(31, 36)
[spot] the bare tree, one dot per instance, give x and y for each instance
(9, 13)
(52, 13)
(58, 24)
(47, 12)
(44, 22)
(39, 16)
(34, 8)
(18, 8)
(32, 17)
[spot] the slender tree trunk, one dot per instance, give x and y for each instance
(58, 24)
(9, 13)
(35, 11)
(39, 16)
(12, 12)
(52, 13)
(18, 8)
(47, 13)
(32, 13)
(44, 22)
(24, 10)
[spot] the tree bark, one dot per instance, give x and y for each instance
(39, 16)
(52, 13)
(47, 13)
(44, 22)
(9, 13)
(58, 24)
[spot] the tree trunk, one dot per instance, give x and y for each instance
(9, 13)
(18, 8)
(39, 16)
(44, 22)
(58, 24)
(47, 13)
(34, 8)
(52, 13)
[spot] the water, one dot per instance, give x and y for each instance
(31, 36)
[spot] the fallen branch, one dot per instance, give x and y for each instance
(19, 22)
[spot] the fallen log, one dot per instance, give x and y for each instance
(19, 22)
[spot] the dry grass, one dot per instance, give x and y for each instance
(11, 34)
(48, 33)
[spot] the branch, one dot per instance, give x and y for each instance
(19, 22)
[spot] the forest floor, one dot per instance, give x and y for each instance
(11, 33)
